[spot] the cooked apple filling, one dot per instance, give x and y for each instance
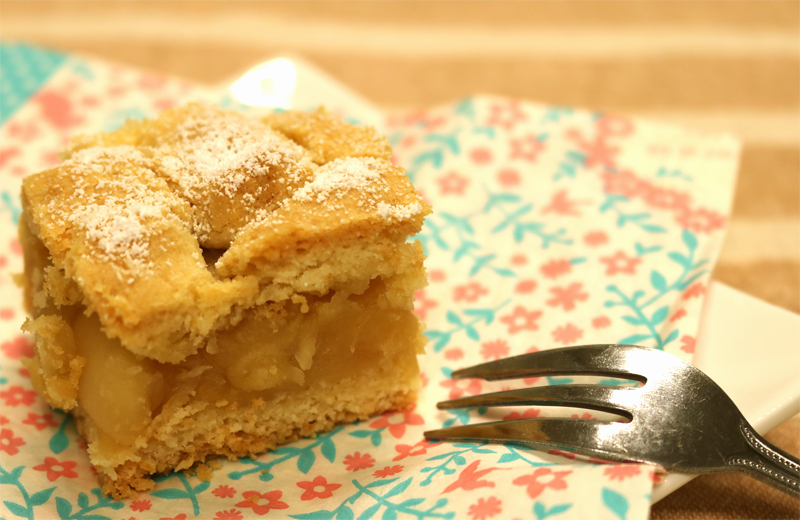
(204, 284)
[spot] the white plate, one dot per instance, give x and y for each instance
(747, 346)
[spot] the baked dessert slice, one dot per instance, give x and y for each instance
(207, 284)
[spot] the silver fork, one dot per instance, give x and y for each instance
(679, 419)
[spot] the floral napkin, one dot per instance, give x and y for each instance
(552, 227)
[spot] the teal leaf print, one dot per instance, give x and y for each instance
(615, 502)
(59, 441)
(306, 461)
(17, 509)
(658, 281)
(63, 508)
(170, 494)
(660, 315)
(328, 449)
(541, 511)
(392, 509)
(287, 453)
(639, 302)
(689, 239)
(374, 436)
(41, 497)
(399, 488)
(187, 492)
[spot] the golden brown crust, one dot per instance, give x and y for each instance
(257, 434)
(327, 137)
(124, 218)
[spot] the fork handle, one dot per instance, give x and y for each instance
(768, 463)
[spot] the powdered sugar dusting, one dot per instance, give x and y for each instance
(216, 152)
(116, 208)
(363, 175)
(339, 176)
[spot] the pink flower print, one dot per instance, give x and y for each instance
(598, 152)
(317, 488)
(519, 260)
(700, 220)
(623, 183)
(6, 313)
(469, 478)
(453, 354)
(24, 372)
(23, 131)
(224, 491)
(252, 499)
(181, 516)
(601, 322)
(481, 155)
(452, 183)
(141, 505)
(525, 287)
(231, 514)
(397, 421)
(521, 319)
(506, 115)
(485, 508)
(422, 304)
(17, 348)
(420, 448)
(6, 154)
(494, 349)
(459, 387)
(666, 199)
(40, 422)
(4, 420)
(595, 238)
(530, 413)
(586, 416)
(526, 148)
(56, 469)
(150, 81)
(688, 344)
(357, 461)
(567, 296)
(469, 292)
(57, 109)
(16, 395)
(388, 471)
(9, 443)
(555, 268)
(567, 334)
(437, 275)
(508, 177)
(615, 125)
(696, 290)
(620, 263)
(561, 204)
(541, 479)
(621, 472)
(680, 313)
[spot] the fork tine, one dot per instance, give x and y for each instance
(595, 397)
(602, 440)
(625, 361)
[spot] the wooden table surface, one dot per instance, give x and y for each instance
(729, 66)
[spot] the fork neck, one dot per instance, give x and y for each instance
(768, 463)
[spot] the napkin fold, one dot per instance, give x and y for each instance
(552, 226)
